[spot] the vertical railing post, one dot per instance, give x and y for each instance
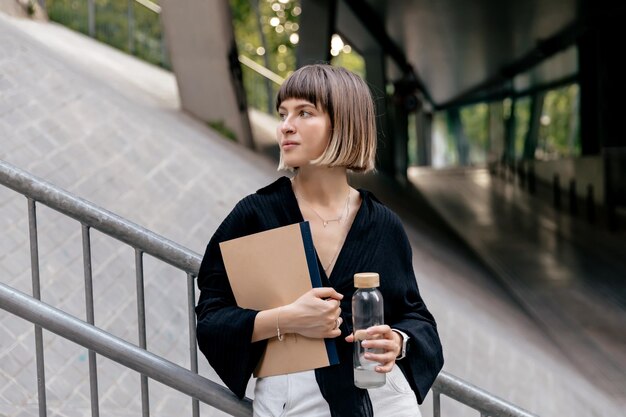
(141, 317)
(34, 266)
(164, 57)
(193, 351)
(89, 309)
(436, 404)
(131, 27)
(91, 17)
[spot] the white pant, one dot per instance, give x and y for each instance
(299, 395)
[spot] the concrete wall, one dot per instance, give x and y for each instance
(200, 39)
(18, 8)
(12, 8)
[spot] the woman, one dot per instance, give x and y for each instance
(327, 128)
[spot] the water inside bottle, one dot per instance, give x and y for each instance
(365, 375)
(365, 378)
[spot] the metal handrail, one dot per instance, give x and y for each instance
(261, 70)
(150, 5)
(103, 220)
(123, 352)
(474, 397)
(143, 240)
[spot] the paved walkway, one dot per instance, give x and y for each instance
(567, 274)
(106, 127)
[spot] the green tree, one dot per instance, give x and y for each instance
(138, 28)
(559, 135)
(476, 127)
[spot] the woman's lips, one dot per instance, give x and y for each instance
(289, 144)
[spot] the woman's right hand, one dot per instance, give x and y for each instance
(315, 314)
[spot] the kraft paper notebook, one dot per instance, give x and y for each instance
(270, 269)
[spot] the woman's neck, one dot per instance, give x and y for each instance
(321, 185)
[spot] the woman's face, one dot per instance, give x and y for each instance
(303, 133)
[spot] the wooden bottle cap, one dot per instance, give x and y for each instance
(366, 280)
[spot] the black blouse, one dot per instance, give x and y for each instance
(376, 242)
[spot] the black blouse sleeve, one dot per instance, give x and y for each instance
(409, 314)
(224, 331)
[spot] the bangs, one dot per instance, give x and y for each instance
(309, 83)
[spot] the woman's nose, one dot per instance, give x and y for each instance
(286, 127)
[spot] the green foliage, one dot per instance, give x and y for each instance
(559, 133)
(266, 31)
(250, 17)
(220, 127)
(352, 61)
(412, 140)
(111, 28)
(475, 120)
(522, 124)
(124, 24)
(30, 7)
(71, 13)
(267, 42)
(558, 137)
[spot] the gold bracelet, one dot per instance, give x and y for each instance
(280, 336)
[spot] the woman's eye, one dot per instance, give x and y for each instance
(282, 116)
(304, 113)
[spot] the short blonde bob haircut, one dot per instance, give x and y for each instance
(348, 101)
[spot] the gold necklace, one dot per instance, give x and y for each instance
(326, 221)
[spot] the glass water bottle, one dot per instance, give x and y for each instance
(367, 311)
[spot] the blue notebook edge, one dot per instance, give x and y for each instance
(316, 282)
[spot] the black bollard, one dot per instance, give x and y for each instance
(531, 179)
(521, 173)
(573, 199)
(591, 205)
(556, 191)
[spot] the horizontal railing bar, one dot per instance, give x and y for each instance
(150, 5)
(99, 218)
(120, 351)
(261, 70)
(476, 398)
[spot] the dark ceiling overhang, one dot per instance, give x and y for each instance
(464, 51)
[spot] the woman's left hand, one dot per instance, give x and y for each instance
(387, 341)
